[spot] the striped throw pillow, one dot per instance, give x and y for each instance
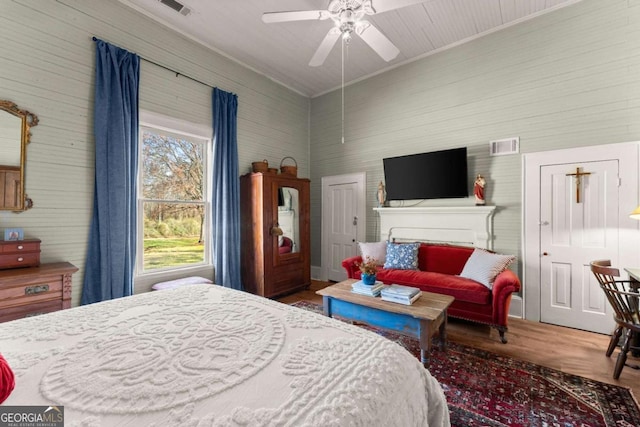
(483, 266)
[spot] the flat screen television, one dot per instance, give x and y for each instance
(433, 175)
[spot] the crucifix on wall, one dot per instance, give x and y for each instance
(578, 174)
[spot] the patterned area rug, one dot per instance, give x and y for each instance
(484, 389)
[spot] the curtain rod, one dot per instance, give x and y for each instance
(95, 39)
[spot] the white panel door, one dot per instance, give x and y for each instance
(342, 227)
(572, 234)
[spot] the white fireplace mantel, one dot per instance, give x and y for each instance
(460, 225)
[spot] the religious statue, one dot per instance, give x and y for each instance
(478, 190)
(381, 195)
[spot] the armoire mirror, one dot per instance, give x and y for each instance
(15, 125)
(288, 220)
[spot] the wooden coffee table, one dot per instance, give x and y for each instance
(420, 320)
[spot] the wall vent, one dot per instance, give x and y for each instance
(177, 6)
(502, 147)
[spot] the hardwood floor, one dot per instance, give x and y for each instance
(565, 349)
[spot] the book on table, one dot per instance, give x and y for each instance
(401, 299)
(371, 290)
(368, 293)
(400, 291)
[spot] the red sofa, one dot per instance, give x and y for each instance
(438, 267)
(285, 245)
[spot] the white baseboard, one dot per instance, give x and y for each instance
(316, 272)
(515, 309)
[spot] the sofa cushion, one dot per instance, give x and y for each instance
(460, 288)
(443, 259)
(285, 245)
(483, 266)
(374, 250)
(402, 256)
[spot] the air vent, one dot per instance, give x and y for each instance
(177, 6)
(502, 147)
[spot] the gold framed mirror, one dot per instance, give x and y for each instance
(15, 134)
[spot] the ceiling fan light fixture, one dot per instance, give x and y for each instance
(348, 17)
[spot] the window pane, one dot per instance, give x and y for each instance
(173, 167)
(172, 234)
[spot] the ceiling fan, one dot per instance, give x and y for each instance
(347, 16)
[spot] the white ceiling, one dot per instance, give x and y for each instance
(282, 51)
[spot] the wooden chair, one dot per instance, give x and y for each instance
(625, 301)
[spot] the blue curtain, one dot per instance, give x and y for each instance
(226, 191)
(112, 240)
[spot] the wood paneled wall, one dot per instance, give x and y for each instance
(565, 79)
(47, 67)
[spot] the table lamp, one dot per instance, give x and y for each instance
(635, 214)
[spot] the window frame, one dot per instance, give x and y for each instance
(150, 120)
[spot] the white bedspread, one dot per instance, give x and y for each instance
(208, 356)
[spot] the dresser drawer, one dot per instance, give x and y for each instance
(19, 312)
(31, 291)
(285, 280)
(20, 246)
(19, 260)
(35, 290)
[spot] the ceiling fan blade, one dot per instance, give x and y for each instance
(378, 42)
(325, 47)
(380, 6)
(294, 15)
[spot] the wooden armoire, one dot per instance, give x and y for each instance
(275, 229)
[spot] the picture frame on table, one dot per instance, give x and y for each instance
(13, 234)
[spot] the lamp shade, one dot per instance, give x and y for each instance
(635, 214)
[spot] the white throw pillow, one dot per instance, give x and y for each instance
(483, 266)
(173, 284)
(374, 250)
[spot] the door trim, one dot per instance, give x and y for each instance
(628, 156)
(360, 179)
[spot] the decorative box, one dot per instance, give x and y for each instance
(19, 253)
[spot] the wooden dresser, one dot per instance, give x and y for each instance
(31, 291)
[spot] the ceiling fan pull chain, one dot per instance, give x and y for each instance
(342, 44)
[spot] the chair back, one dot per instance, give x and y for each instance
(623, 299)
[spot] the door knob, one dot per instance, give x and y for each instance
(545, 253)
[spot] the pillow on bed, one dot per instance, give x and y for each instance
(7, 380)
(402, 256)
(374, 250)
(172, 284)
(483, 266)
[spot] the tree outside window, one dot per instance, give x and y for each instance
(172, 199)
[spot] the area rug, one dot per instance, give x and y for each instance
(485, 389)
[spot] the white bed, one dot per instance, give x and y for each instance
(206, 355)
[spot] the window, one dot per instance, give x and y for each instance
(173, 202)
